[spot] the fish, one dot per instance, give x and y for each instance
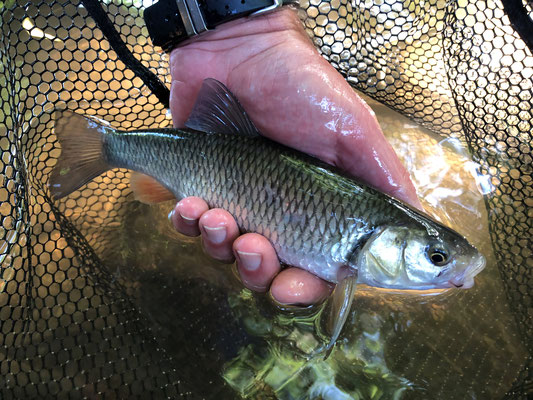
(316, 216)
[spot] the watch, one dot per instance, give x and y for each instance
(170, 22)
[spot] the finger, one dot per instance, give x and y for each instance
(298, 287)
(257, 261)
(189, 67)
(219, 231)
(186, 214)
(182, 96)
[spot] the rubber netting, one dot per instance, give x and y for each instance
(71, 326)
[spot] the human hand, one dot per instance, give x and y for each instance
(294, 97)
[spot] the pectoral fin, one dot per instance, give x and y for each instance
(342, 300)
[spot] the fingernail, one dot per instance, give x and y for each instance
(249, 261)
(215, 235)
(187, 220)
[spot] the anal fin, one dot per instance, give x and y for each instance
(148, 190)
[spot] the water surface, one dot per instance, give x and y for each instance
(230, 342)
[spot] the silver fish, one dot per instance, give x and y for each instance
(316, 217)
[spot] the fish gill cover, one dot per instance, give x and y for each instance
(90, 308)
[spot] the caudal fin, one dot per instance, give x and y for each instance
(81, 158)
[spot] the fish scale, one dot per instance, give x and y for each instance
(315, 216)
(231, 170)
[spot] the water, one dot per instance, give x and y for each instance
(230, 342)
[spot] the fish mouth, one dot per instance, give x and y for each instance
(466, 283)
(454, 284)
(466, 280)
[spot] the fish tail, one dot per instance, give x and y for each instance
(82, 157)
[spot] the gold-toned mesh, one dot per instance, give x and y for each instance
(460, 69)
(65, 323)
(71, 323)
(392, 51)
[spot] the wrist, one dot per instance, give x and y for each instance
(171, 22)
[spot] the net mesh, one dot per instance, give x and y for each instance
(72, 326)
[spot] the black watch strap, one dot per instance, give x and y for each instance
(170, 22)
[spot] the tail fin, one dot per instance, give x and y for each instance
(81, 158)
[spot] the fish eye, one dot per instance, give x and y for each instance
(438, 257)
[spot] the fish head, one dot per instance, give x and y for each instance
(419, 257)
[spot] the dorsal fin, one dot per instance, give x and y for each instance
(218, 111)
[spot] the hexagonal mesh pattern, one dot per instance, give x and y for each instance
(390, 50)
(65, 326)
(461, 69)
(69, 325)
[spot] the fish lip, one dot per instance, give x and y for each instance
(465, 282)
(480, 266)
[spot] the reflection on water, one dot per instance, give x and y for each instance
(230, 342)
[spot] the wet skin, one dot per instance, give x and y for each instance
(297, 98)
